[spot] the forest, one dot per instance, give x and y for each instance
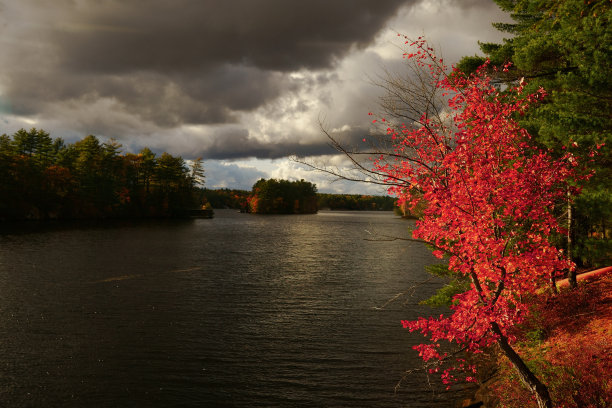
(45, 178)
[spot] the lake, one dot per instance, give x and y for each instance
(236, 311)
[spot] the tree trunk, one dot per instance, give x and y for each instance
(527, 377)
(553, 284)
(571, 272)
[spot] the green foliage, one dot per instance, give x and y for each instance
(440, 270)
(535, 336)
(44, 178)
(469, 64)
(444, 295)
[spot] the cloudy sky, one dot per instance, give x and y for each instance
(242, 83)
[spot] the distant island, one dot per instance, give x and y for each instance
(280, 191)
(282, 197)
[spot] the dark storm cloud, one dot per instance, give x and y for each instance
(236, 87)
(187, 35)
(235, 143)
(223, 79)
(175, 62)
(238, 144)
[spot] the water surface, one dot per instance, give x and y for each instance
(235, 311)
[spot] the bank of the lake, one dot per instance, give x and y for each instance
(567, 342)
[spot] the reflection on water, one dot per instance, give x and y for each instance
(240, 310)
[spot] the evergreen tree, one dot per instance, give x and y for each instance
(197, 172)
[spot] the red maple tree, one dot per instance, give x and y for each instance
(489, 199)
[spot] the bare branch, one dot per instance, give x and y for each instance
(408, 292)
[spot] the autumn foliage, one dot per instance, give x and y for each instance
(489, 199)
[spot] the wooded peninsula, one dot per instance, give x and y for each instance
(45, 178)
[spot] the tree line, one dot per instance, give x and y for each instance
(227, 198)
(45, 178)
(356, 202)
(237, 199)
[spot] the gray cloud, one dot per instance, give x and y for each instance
(230, 175)
(179, 62)
(188, 35)
(225, 80)
(235, 143)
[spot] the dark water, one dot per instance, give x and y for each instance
(237, 311)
